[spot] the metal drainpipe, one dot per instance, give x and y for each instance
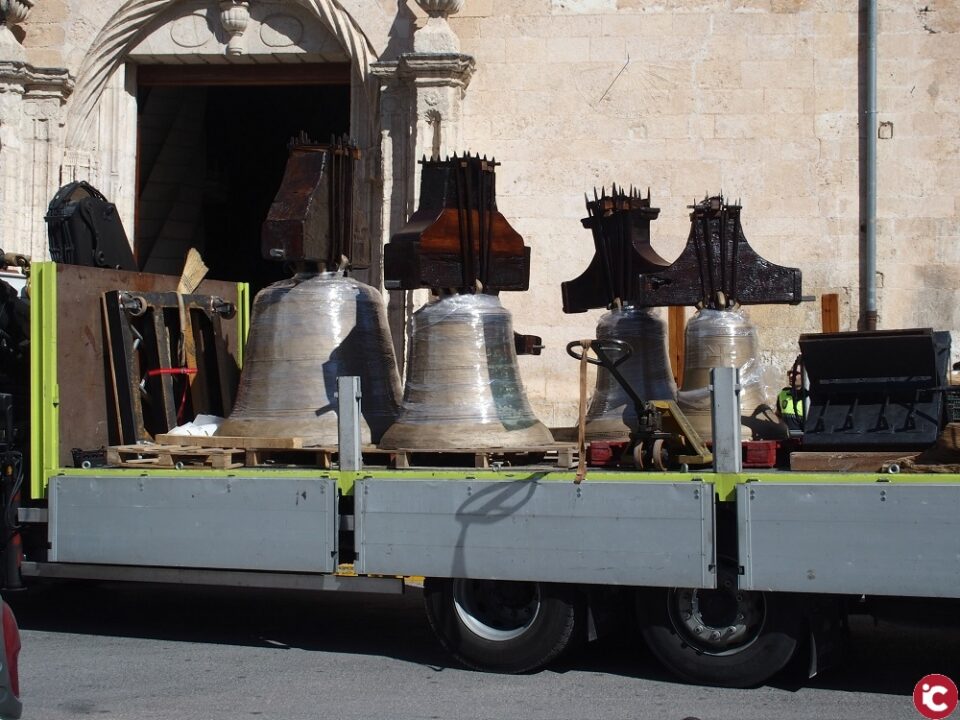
(868, 220)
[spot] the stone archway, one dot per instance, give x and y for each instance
(101, 120)
(127, 26)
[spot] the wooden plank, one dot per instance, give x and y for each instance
(112, 389)
(830, 312)
(168, 401)
(247, 443)
(843, 461)
(676, 338)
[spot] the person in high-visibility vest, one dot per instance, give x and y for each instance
(790, 399)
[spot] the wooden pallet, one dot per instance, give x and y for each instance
(308, 452)
(560, 455)
(174, 456)
(322, 457)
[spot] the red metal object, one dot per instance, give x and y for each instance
(176, 371)
(605, 454)
(171, 371)
(760, 453)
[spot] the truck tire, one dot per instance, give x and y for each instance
(501, 626)
(720, 637)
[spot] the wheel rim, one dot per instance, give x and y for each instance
(496, 610)
(716, 622)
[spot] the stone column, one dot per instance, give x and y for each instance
(421, 111)
(44, 96)
(30, 102)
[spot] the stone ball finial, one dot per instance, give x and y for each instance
(441, 8)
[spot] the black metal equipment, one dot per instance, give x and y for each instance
(620, 223)
(150, 392)
(311, 217)
(11, 483)
(718, 269)
(457, 239)
(15, 361)
(84, 228)
(663, 436)
(873, 390)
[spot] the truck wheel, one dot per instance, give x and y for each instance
(719, 637)
(501, 626)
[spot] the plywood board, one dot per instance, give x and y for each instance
(86, 404)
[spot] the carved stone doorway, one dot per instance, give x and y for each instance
(212, 147)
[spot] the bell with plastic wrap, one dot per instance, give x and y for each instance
(620, 225)
(612, 415)
(725, 338)
(306, 332)
(718, 271)
(463, 385)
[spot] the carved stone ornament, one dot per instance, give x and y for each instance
(441, 8)
(12, 12)
(280, 30)
(190, 31)
(234, 16)
(436, 36)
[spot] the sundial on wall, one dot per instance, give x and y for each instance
(630, 88)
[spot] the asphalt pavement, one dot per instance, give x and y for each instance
(122, 652)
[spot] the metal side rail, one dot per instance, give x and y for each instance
(877, 538)
(230, 578)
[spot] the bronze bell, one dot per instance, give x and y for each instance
(305, 333)
(611, 414)
(463, 387)
(725, 338)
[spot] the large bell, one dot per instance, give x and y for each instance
(305, 333)
(463, 386)
(725, 338)
(611, 414)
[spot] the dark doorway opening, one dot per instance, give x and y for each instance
(210, 160)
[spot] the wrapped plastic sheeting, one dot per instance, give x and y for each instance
(463, 385)
(725, 338)
(612, 414)
(305, 333)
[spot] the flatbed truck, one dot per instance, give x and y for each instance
(732, 575)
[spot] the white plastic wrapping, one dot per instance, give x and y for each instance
(463, 385)
(721, 338)
(611, 413)
(305, 333)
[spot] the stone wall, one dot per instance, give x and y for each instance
(754, 98)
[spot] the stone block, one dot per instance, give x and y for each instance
(796, 73)
(835, 73)
(633, 25)
(44, 35)
(531, 50)
(50, 11)
(568, 50)
(485, 49)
